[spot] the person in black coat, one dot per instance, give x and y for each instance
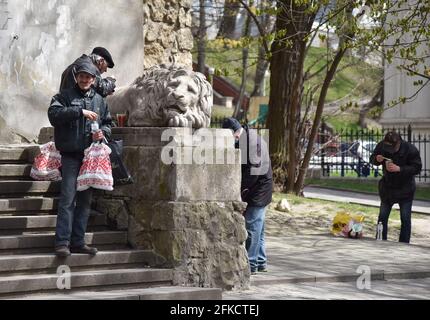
(71, 113)
(401, 161)
(256, 189)
(102, 59)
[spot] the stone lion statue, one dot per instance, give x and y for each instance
(165, 96)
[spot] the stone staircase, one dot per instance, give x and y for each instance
(28, 267)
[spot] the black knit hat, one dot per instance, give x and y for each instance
(87, 67)
(102, 52)
(231, 123)
(391, 141)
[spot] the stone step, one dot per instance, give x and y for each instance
(49, 262)
(8, 223)
(20, 187)
(35, 241)
(15, 170)
(86, 279)
(13, 154)
(157, 293)
(33, 204)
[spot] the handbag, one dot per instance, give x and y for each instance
(121, 175)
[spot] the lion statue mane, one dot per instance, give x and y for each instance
(165, 96)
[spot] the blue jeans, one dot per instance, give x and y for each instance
(74, 207)
(254, 217)
(405, 217)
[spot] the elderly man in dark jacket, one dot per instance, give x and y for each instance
(102, 59)
(71, 113)
(401, 161)
(256, 189)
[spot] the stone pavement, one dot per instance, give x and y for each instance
(358, 197)
(380, 290)
(315, 264)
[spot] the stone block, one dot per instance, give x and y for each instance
(116, 212)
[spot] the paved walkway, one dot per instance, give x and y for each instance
(310, 263)
(360, 198)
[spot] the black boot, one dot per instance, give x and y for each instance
(62, 251)
(84, 249)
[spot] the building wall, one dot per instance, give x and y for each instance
(416, 111)
(49, 35)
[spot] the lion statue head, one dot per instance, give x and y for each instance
(165, 96)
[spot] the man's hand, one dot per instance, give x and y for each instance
(90, 115)
(379, 158)
(98, 135)
(391, 167)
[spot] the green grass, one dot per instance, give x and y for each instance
(354, 79)
(221, 112)
(422, 193)
(371, 213)
(345, 121)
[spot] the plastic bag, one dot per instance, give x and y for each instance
(47, 164)
(348, 225)
(96, 169)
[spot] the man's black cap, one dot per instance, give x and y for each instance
(102, 52)
(391, 141)
(231, 123)
(87, 67)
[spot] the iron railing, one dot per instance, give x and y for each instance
(346, 153)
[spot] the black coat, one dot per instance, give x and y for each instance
(257, 177)
(104, 87)
(72, 131)
(400, 186)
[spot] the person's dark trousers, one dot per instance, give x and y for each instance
(255, 243)
(405, 217)
(73, 207)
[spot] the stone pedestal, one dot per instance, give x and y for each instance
(189, 214)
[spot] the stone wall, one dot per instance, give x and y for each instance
(189, 215)
(167, 32)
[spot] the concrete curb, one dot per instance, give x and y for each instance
(380, 275)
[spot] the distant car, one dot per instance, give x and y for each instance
(365, 149)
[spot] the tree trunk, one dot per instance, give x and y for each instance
(260, 73)
(317, 120)
(376, 100)
(228, 21)
(286, 85)
(245, 53)
(262, 62)
(201, 39)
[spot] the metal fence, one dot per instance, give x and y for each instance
(346, 153)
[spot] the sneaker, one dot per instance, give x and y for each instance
(84, 249)
(253, 272)
(62, 251)
(262, 269)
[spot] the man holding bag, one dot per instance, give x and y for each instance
(71, 113)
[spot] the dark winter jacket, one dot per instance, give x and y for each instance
(400, 186)
(104, 87)
(257, 180)
(72, 131)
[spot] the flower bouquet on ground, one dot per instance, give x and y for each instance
(348, 225)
